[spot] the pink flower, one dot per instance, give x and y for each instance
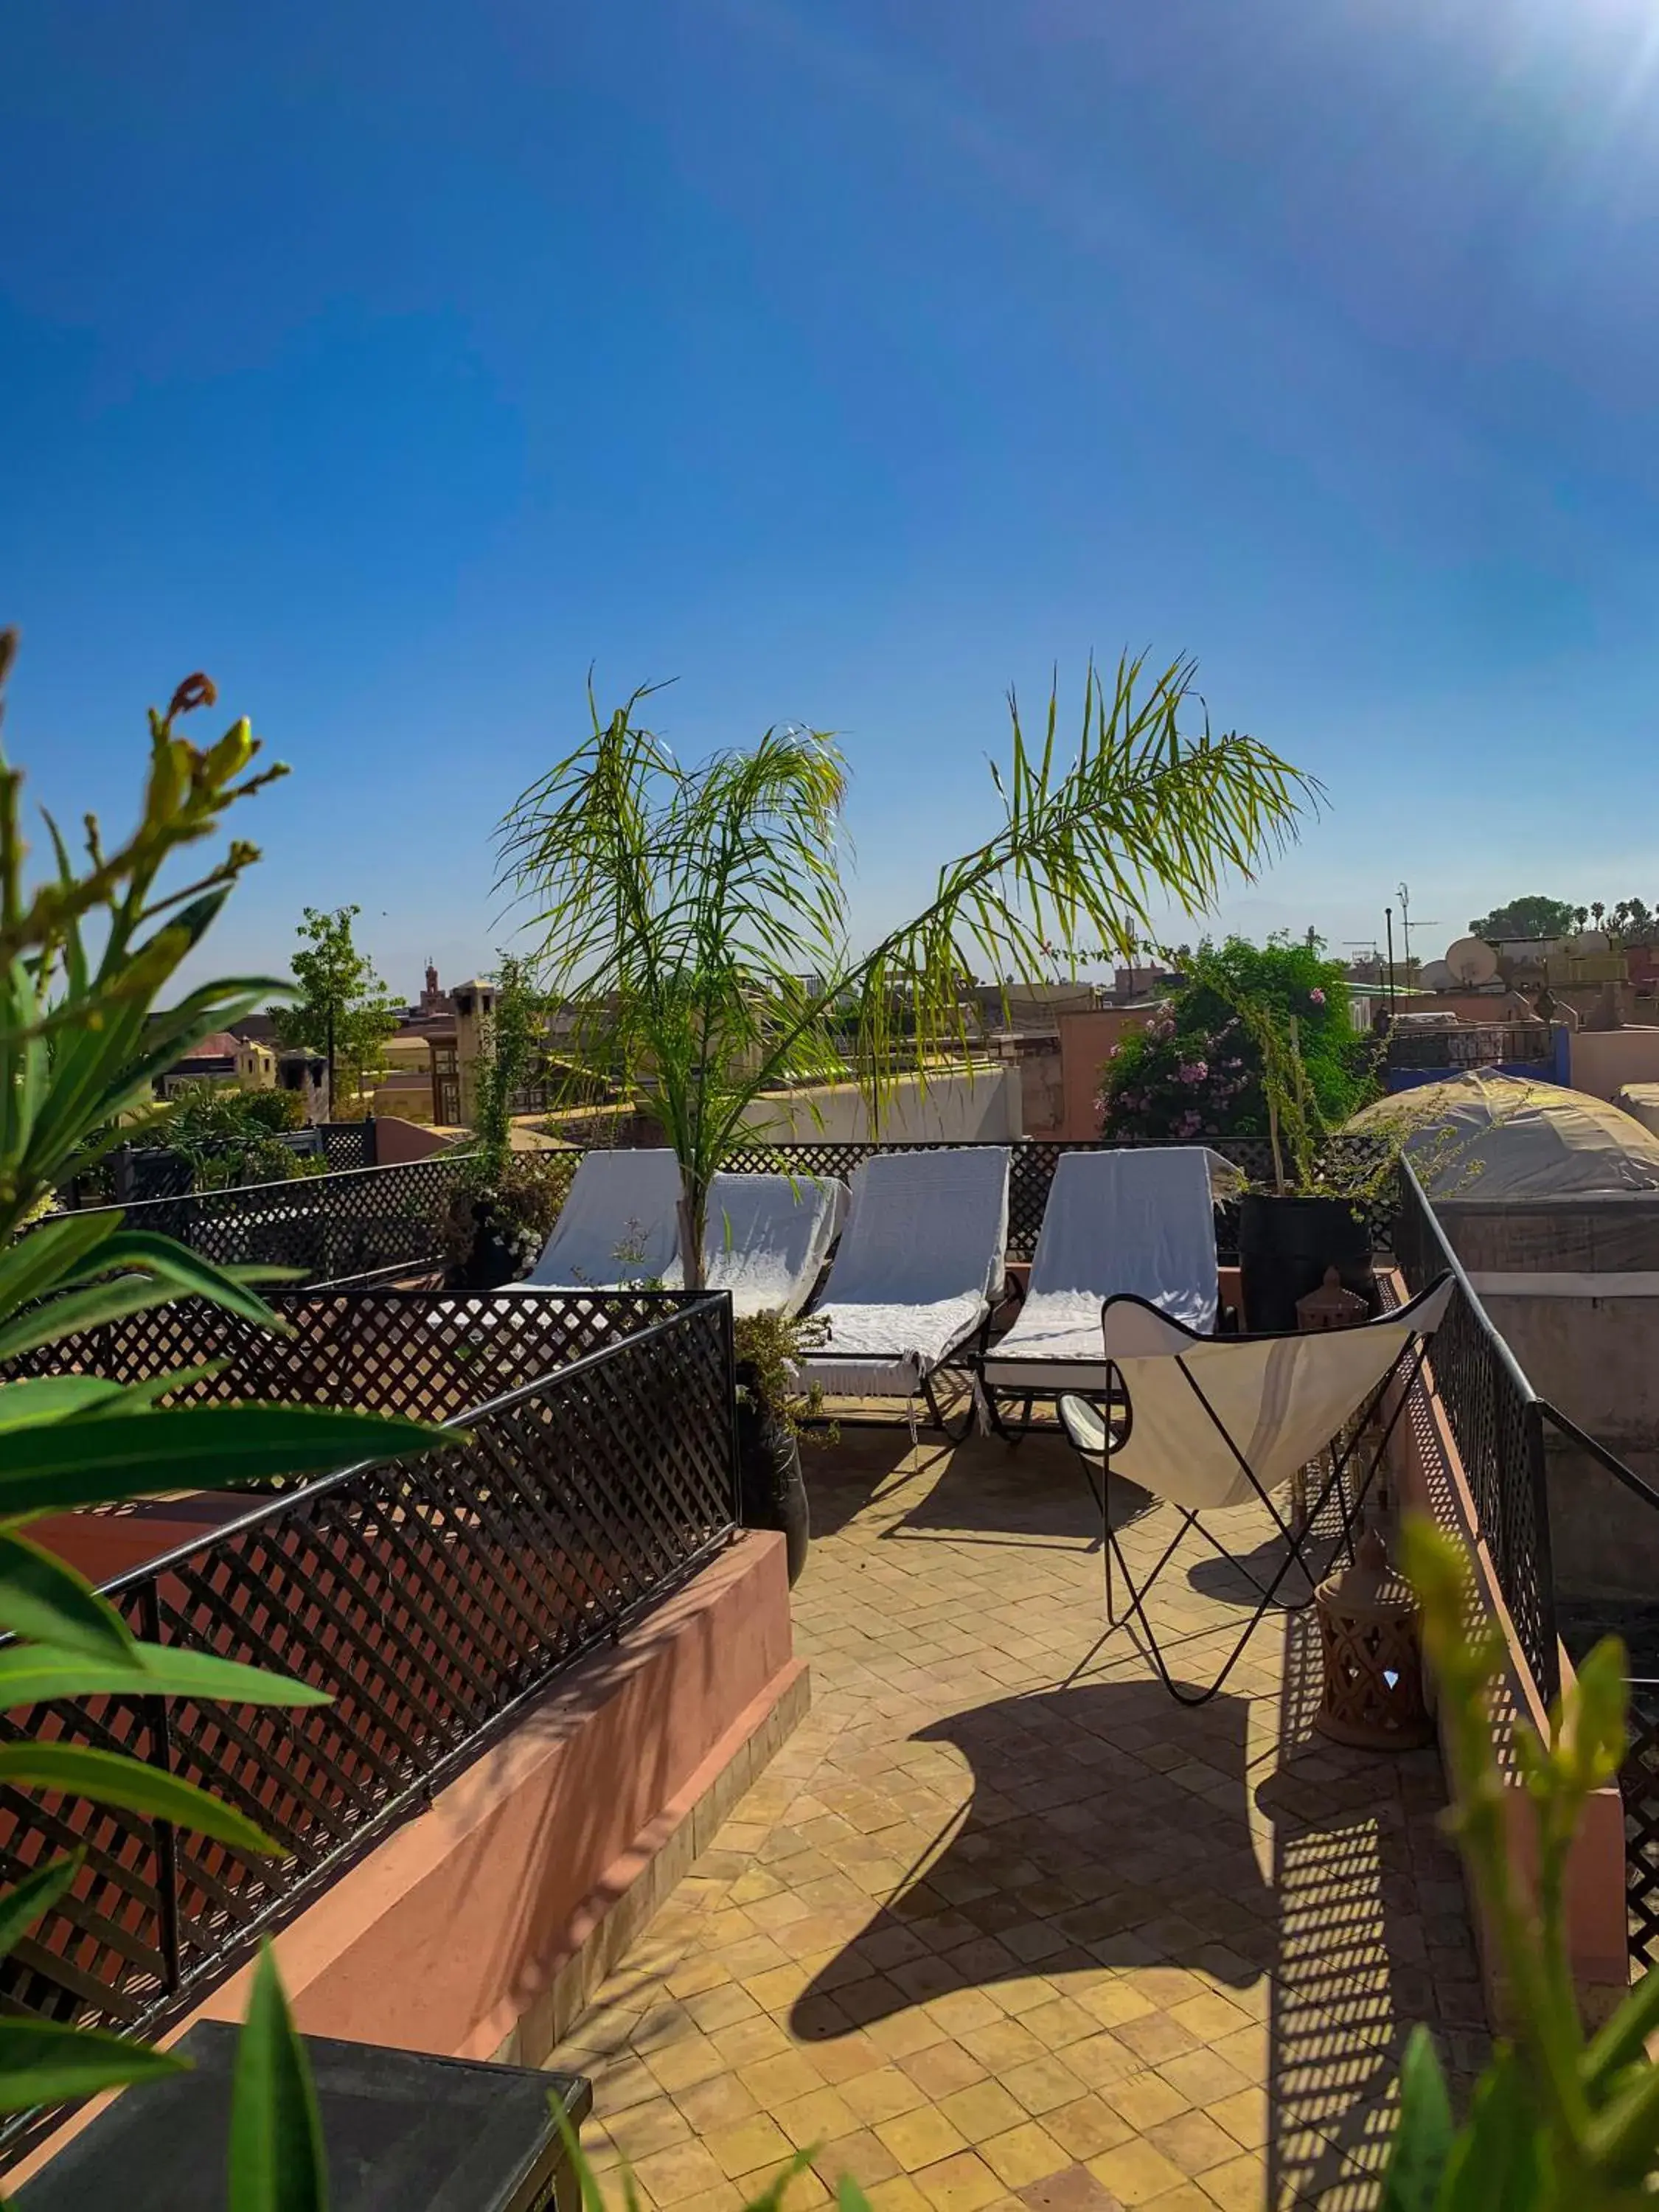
(1115, 1051)
(1316, 997)
(1193, 1071)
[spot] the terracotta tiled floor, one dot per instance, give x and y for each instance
(1002, 1925)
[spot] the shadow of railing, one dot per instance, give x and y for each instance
(1359, 1889)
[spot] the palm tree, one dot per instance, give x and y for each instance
(694, 918)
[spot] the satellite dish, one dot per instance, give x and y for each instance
(1470, 961)
(1588, 940)
(1437, 976)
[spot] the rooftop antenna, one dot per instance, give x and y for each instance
(1403, 894)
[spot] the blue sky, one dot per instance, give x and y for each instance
(848, 361)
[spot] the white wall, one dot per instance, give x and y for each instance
(1605, 1060)
(959, 1105)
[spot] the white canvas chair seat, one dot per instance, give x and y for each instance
(1204, 1424)
(920, 1262)
(766, 1236)
(1140, 1222)
(618, 1202)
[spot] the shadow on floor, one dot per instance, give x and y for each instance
(982, 1488)
(1031, 1493)
(1070, 1844)
(1353, 1972)
(1075, 1852)
(856, 1473)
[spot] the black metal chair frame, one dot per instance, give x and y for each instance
(1401, 1378)
(999, 1394)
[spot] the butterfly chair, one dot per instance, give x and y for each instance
(1204, 1423)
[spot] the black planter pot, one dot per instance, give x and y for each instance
(774, 1493)
(490, 1263)
(1284, 1246)
(495, 1257)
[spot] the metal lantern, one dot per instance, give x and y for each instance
(1330, 1306)
(1373, 1660)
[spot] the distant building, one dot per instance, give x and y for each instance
(1033, 1009)
(433, 1003)
(435, 1009)
(1133, 985)
(221, 1059)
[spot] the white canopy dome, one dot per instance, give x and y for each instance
(1488, 1139)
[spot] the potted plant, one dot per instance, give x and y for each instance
(498, 1221)
(1255, 1042)
(771, 1407)
(690, 921)
(1313, 1217)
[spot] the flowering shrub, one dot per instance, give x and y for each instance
(1195, 1072)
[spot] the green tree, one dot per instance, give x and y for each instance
(341, 1009)
(1197, 1072)
(1630, 922)
(1528, 917)
(229, 1137)
(517, 1041)
(697, 915)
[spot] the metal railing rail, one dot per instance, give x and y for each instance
(433, 1596)
(363, 1225)
(1031, 1170)
(1496, 1420)
(353, 1224)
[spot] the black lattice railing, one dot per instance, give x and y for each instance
(1031, 1170)
(1497, 1421)
(432, 1596)
(1639, 1775)
(430, 1355)
(347, 1144)
(1638, 1784)
(1470, 1044)
(359, 1224)
(338, 1227)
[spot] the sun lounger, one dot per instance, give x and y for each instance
(766, 1236)
(920, 1265)
(1138, 1220)
(618, 1227)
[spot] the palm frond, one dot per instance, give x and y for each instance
(694, 919)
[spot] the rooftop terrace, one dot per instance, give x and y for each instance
(1001, 1924)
